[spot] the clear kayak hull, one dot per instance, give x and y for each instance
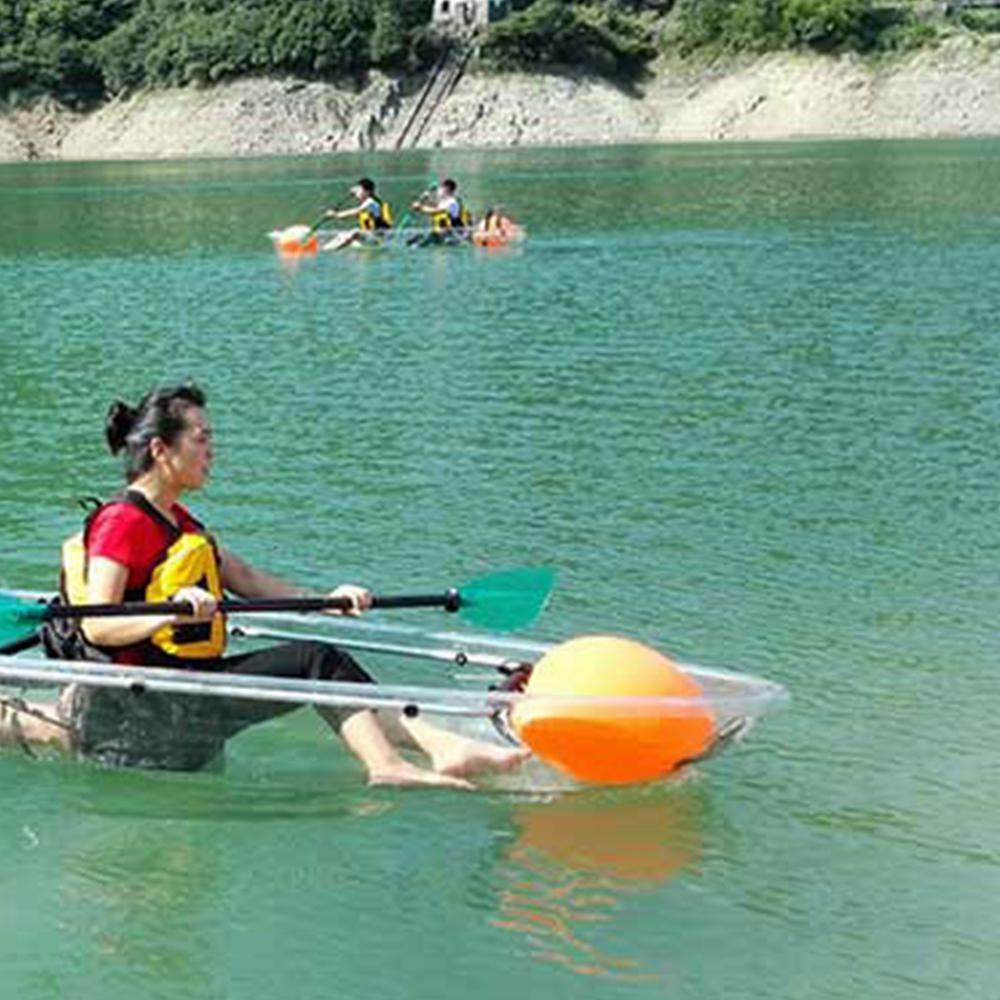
(468, 694)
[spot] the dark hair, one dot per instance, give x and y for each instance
(161, 413)
(448, 184)
(367, 185)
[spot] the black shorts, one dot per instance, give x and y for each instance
(152, 729)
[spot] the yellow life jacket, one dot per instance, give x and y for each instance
(442, 222)
(191, 559)
(369, 221)
(73, 570)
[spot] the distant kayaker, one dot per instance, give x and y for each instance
(144, 544)
(495, 229)
(373, 214)
(450, 219)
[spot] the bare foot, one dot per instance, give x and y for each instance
(34, 725)
(464, 756)
(406, 775)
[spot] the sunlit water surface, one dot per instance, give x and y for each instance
(744, 398)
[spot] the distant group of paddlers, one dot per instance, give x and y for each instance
(450, 221)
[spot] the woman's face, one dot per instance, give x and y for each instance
(188, 461)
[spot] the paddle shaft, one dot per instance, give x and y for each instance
(325, 216)
(404, 221)
(450, 600)
(506, 600)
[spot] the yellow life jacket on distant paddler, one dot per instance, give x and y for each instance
(370, 221)
(189, 559)
(442, 221)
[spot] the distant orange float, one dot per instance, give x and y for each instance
(609, 744)
(295, 241)
(502, 232)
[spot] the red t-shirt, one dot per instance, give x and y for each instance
(129, 536)
(134, 538)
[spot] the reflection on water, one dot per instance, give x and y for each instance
(578, 860)
(137, 925)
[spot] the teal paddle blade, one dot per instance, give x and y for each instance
(18, 617)
(507, 600)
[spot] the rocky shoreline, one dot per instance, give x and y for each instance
(950, 90)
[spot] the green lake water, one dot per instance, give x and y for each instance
(744, 398)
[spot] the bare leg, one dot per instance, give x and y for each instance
(28, 729)
(453, 754)
(343, 240)
(366, 739)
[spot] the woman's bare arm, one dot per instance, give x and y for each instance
(244, 580)
(106, 581)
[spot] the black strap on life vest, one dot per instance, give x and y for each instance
(380, 221)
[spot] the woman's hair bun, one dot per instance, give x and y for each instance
(118, 424)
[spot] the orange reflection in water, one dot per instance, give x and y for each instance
(577, 860)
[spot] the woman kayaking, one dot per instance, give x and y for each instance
(146, 545)
(496, 229)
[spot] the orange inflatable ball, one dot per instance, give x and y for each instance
(297, 240)
(606, 743)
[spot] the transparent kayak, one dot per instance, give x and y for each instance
(469, 690)
(301, 241)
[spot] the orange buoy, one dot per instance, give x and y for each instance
(610, 743)
(488, 239)
(497, 231)
(296, 240)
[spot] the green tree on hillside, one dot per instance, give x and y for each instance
(81, 50)
(84, 50)
(601, 37)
